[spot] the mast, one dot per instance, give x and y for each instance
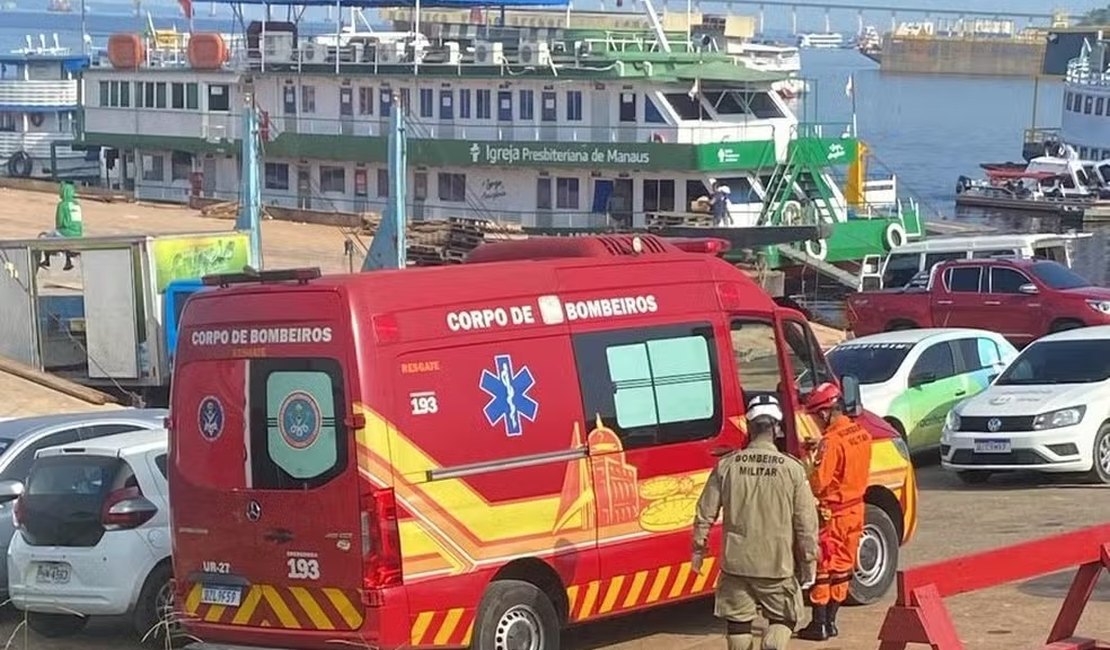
(387, 249)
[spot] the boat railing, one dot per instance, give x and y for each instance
(1041, 134)
(34, 93)
(1079, 72)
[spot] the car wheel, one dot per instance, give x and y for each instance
(877, 564)
(56, 626)
(974, 476)
(1100, 469)
(516, 614)
(153, 618)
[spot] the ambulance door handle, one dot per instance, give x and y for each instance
(717, 452)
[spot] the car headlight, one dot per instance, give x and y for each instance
(1062, 418)
(952, 422)
(1101, 306)
(902, 447)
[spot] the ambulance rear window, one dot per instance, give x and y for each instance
(297, 432)
(652, 386)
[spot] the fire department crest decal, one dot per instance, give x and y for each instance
(299, 419)
(210, 418)
(508, 389)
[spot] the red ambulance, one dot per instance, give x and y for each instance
(471, 455)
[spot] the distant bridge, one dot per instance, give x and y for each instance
(1042, 18)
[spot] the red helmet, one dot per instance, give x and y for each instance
(824, 396)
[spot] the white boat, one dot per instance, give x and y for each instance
(1085, 113)
(772, 57)
(39, 102)
(822, 40)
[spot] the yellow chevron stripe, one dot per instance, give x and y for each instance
(448, 627)
(633, 597)
(214, 613)
(420, 626)
(192, 601)
(466, 637)
(246, 609)
(703, 577)
(680, 581)
(589, 599)
(611, 594)
(351, 616)
(312, 608)
(572, 598)
(660, 582)
(284, 614)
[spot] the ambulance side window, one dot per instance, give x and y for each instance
(652, 386)
(297, 433)
(757, 362)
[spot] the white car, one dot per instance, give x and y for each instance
(912, 378)
(94, 536)
(1047, 412)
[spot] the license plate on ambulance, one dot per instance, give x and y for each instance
(992, 446)
(224, 596)
(55, 573)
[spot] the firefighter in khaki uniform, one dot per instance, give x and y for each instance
(839, 480)
(769, 530)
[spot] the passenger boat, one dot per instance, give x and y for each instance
(772, 57)
(518, 119)
(822, 40)
(39, 105)
(870, 44)
(1085, 111)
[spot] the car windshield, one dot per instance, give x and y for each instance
(4, 444)
(871, 363)
(1060, 362)
(1058, 276)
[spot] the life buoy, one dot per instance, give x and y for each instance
(817, 248)
(895, 235)
(37, 119)
(20, 165)
(792, 213)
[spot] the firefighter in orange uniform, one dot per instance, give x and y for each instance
(839, 480)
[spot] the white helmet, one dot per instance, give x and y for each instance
(764, 406)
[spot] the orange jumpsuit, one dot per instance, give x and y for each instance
(839, 482)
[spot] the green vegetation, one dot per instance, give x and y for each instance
(1096, 17)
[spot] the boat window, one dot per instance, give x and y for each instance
(1004, 280)
(1054, 253)
(965, 279)
(1058, 276)
(687, 108)
(1067, 181)
(761, 105)
(695, 190)
(997, 252)
(740, 189)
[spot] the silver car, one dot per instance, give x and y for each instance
(21, 438)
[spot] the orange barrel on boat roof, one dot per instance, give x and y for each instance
(126, 51)
(207, 51)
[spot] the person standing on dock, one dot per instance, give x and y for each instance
(839, 480)
(769, 532)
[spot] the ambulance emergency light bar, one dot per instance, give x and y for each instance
(299, 275)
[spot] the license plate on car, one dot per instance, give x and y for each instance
(225, 596)
(55, 573)
(992, 446)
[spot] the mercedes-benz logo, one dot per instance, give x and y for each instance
(994, 424)
(254, 511)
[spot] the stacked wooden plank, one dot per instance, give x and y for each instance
(435, 243)
(222, 210)
(679, 219)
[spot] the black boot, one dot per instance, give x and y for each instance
(830, 624)
(818, 628)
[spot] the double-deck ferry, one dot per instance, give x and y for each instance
(548, 126)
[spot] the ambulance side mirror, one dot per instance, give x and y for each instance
(849, 388)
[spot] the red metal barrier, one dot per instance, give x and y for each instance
(919, 615)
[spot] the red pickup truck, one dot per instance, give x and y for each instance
(1020, 299)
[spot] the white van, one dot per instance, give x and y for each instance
(903, 263)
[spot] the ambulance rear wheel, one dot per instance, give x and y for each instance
(877, 563)
(516, 615)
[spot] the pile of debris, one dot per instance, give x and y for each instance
(435, 243)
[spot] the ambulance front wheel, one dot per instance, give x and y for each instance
(516, 614)
(877, 563)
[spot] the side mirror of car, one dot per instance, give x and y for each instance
(849, 388)
(1029, 289)
(922, 379)
(10, 490)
